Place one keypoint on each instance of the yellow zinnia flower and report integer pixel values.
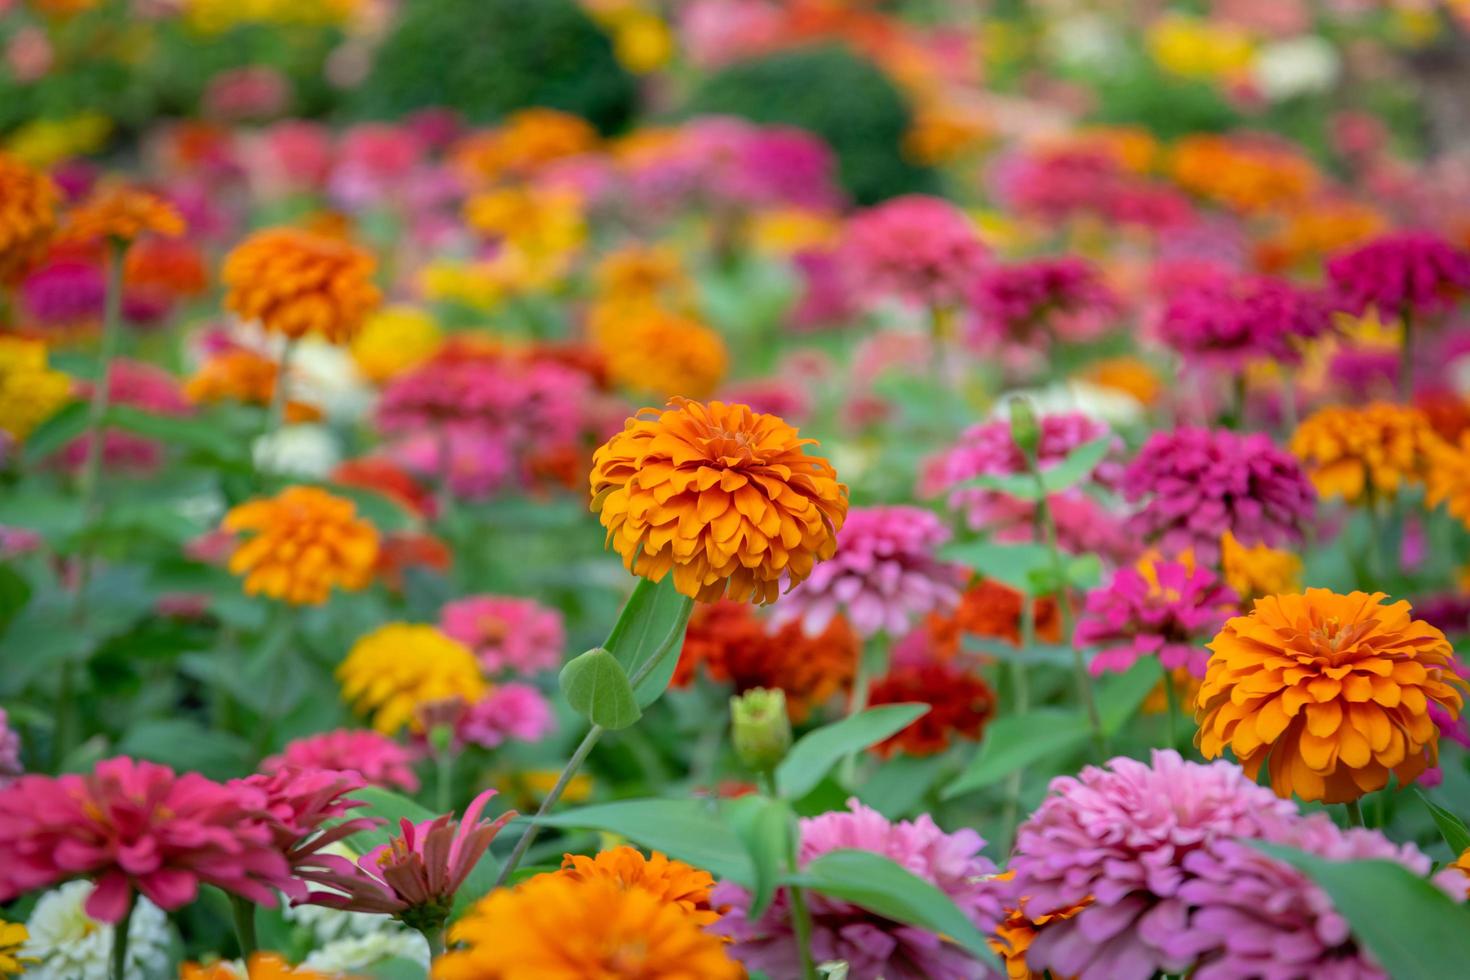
(13, 936)
(725, 497)
(30, 392)
(395, 669)
(1354, 453)
(393, 340)
(1259, 570)
(557, 927)
(541, 228)
(671, 882)
(305, 542)
(1331, 691)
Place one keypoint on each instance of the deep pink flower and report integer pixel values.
(884, 576)
(298, 805)
(1411, 273)
(506, 633)
(290, 157)
(140, 386)
(372, 160)
(920, 249)
(250, 92)
(1227, 323)
(1196, 484)
(1027, 304)
(1161, 608)
(371, 755)
(509, 713)
(137, 827)
(1059, 184)
(415, 875)
(66, 293)
(872, 945)
(828, 298)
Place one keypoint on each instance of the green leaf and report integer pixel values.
(388, 806)
(1415, 930)
(881, 886)
(186, 745)
(655, 616)
(596, 687)
(1451, 827)
(1011, 564)
(15, 592)
(396, 969)
(897, 787)
(1120, 695)
(764, 826)
(1078, 465)
(54, 433)
(687, 830)
(819, 750)
(1016, 741)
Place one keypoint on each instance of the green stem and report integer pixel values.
(801, 923)
(443, 779)
(120, 941)
(275, 415)
(1355, 813)
(1172, 694)
(278, 640)
(1406, 359)
(434, 936)
(1011, 813)
(243, 911)
(857, 702)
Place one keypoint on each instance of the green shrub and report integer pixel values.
(487, 58)
(836, 94)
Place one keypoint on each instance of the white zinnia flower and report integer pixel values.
(364, 952)
(303, 451)
(1299, 66)
(71, 945)
(1117, 409)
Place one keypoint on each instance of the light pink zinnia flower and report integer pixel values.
(135, 826)
(506, 633)
(372, 755)
(1166, 609)
(921, 249)
(871, 945)
(510, 712)
(884, 575)
(415, 875)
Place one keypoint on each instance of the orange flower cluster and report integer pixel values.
(27, 216)
(304, 543)
(262, 966)
(650, 350)
(734, 646)
(671, 882)
(168, 267)
(243, 375)
(297, 283)
(1354, 453)
(724, 497)
(117, 212)
(1331, 691)
(1246, 177)
(1449, 478)
(960, 703)
(525, 142)
(1316, 230)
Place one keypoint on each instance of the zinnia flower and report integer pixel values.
(375, 757)
(726, 498)
(1198, 484)
(871, 945)
(137, 827)
(1449, 478)
(246, 376)
(651, 351)
(120, 213)
(12, 936)
(561, 927)
(508, 712)
(399, 667)
(296, 283)
(1258, 570)
(920, 249)
(884, 575)
(1030, 303)
(1332, 690)
(1157, 608)
(393, 340)
(1225, 324)
(27, 216)
(66, 943)
(672, 882)
(960, 703)
(305, 543)
(30, 392)
(262, 966)
(507, 634)
(1404, 274)
(10, 764)
(1364, 453)
(307, 810)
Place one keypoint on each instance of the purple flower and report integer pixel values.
(1197, 484)
(1409, 273)
(1159, 608)
(1026, 303)
(872, 945)
(884, 575)
(1122, 836)
(1220, 323)
(920, 249)
(506, 633)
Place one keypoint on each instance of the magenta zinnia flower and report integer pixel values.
(507, 634)
(921, 249)
(1166, 609)
(884, 575)
(298, 805)
(375, 757)
(1411, 273)
(414, 876)
(133, 827)
(1225, 324)
(1196, 484)
(871, 945)
(1029, 303)
(508, 713)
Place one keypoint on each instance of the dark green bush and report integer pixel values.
(486, 58)
(836, 94)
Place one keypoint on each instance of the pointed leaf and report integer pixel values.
(654, 618)
(596, 687)
(1016, 741)
(688, 830)
(818, 751)
(1451, 827)
(764, 826)
(1119, 696)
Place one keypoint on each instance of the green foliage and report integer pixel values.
(836, 94)
(487, 58)
(688, 830)
(1170, 107)
(818, 751)
(596, 687)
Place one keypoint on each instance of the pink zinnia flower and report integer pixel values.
(1196, 484)
(920, 249)
(372, 160)
(298, 805)
(507, 634)
(66, 293)
(827, 296)
(250, 92)
(1027, 304)
(137, 827)
(1226, 324)
(416, 874)
(1411, 273)
(375, 757)
(140, 386)
(290, 157)
(784, 398)
(1166, 609)
(10, 764)
(509, 713)
(871, 945)
(884, 576)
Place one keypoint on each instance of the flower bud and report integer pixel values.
(761, 730)
(1025, 430)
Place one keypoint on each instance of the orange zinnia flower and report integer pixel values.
(242, 375)
(1332, 690)
(992, 609)
(121, 213)
(725, 497)
(1014, 936)
(296, 282)
(306, 542)
(1449, 478)
(165, 267)
(262, 966)
(556, 927)
(1258, 570)
(1371, 451)
(671, 882)
(27, 216)
(652, 351)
